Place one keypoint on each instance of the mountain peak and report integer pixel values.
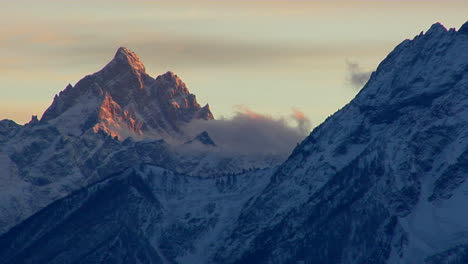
(464, 28)
(170, 77)
(125, 51)
(172, 83)
(436, 28)
(125, 72)
(170, 74)
(123, 100)
(128, 57)
(203, 138)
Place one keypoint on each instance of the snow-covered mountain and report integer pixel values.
(383, 180)
(380, 181)
(108, 121)
(142, 214)
(123, 100)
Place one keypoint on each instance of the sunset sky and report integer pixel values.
(268, 56)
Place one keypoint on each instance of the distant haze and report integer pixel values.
(270, 56)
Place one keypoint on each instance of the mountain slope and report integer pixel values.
(126, 201)
(40, 165)
(143, 214)
(383, 179)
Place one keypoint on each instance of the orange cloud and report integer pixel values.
(244, 110)
(303, 122)
(298, 115)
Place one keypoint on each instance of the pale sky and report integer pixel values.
(268, 56)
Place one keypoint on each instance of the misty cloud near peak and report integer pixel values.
(356, 76)
(249, 132)
(303, 122)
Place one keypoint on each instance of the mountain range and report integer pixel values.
(383, 180)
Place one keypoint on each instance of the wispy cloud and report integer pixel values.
(356, 76)
(249, 132)
(303, 122)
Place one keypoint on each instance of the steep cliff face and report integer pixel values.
(123, 100)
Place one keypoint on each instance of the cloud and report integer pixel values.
(303, 122)
(357, 77)
(249, 132)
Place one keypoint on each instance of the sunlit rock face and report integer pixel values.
(123, 100)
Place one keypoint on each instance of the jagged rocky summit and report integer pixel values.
(123, 100)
